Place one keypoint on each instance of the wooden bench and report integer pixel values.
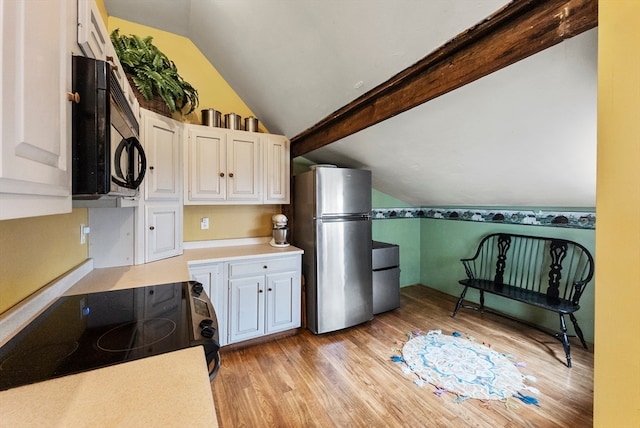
(548, 273)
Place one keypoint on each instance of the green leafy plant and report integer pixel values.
(153, 73)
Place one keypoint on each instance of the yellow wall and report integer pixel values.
(103, 10)
(193, 66)
(617, 317)
(240, 221)
(34, 251)
(228, 222)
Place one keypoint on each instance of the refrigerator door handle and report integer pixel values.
(344, 217)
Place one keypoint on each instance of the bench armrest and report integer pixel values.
(468, 267)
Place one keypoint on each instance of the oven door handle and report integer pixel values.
(216, 366)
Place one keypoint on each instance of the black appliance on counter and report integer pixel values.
(107, 157)
(84, 332)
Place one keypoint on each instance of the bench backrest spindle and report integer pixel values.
(559, 268)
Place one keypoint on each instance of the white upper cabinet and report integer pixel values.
(243, 167)
(35, 156)
(93, 36)
(225, 166)
(95, 42)
(206, 165)
(161, 139)
(276, 169)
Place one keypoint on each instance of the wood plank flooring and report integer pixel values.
(347, 379)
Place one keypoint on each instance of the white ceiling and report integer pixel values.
(524, 136)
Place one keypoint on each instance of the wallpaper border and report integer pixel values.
(555, 218)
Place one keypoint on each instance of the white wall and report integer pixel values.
(522, 136)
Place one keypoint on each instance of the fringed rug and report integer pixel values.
(463, 367)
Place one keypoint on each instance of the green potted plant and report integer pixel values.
(152, 73)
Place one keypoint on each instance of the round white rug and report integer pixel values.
(466, 368)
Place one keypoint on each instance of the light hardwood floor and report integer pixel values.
(347, 379)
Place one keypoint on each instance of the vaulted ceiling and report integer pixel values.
(522, 136)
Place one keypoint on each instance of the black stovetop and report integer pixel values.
(84, 332)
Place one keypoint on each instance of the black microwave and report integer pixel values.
(107, 157)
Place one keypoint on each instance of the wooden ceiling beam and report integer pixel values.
(518, 30)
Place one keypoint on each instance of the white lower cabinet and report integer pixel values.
(264, 297)
(246, 308)
(283, 301)
(210, 275)
(253, 297)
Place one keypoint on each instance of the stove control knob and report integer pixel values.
(197, 288)
(208, 332)
(206, 323)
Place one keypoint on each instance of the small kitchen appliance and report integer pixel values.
(107, 157)
(78, 333)
(280, 231)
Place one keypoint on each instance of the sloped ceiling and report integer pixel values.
(523, 136)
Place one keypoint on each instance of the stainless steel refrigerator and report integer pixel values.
(332, 221)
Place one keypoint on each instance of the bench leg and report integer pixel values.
(459, 304)
(578, 331)
(565, 340)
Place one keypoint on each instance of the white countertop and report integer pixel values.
(171, 389)
(174, 269)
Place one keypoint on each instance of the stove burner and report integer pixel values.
(136, 334)
(49, 354)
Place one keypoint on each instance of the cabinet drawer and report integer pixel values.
(264, 266)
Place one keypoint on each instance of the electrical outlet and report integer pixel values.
(204, 223)
(83, 234)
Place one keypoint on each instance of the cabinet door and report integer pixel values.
(163, 231)
(283, 302)
(95, 42)
(243, 167)
(92, 33)
(161, 140)
(246, 308)
(276, 169)
(210, 276)
(35, 155)
(206, 160)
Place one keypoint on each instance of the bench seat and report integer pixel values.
(548, 273)
(522, 295)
